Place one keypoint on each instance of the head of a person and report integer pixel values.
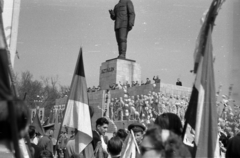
(46, 154)
(22, 115)
(138, 131)
(162, 143)
(102, 125)
(32, 132)
(114, 146)
(122, 134)
(170, 121)
(49, 130)
(233, 147)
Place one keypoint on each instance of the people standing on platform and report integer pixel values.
(178, 83)
(148, 81)
(156, 79)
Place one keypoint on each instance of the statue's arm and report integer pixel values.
(131, 14)
(112, 14)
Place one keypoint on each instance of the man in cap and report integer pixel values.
(138, 130)
(45, 143)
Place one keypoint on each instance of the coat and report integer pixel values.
(123, 14)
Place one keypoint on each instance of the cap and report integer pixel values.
(49, 126)
(136, 127)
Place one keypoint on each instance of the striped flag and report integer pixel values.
(130, 147)
(77, 110)
(201, 114)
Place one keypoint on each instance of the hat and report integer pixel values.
(49, 127)
(136, 127)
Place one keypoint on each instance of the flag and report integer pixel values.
(130, 147)
(36, 123)
(77, 113)
(201, 114)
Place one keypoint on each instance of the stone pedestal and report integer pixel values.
(115, 70)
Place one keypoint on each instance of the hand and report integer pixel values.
(129, 28)
(110, 11)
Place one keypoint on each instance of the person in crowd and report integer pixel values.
(148, 81)
(138, 130)
(122, 134)
(46, 154)
(99, 88)
(156, 79)
(159, 143)
(99, 134)
(94, 89)
(46, 142)
(116, 86)
(172, 122)
(142, 83)
(133, 83)
(62, 142)
(89, 89)
(233, 147)
(136, 83)
(70, 151)
(114, 147)
(178, 83)
(22, 120)
(122, 85)
(32, 135)
(127, 84)
(111, 86)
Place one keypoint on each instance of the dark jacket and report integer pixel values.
(96, 139)
(45, 143)
(124, 14)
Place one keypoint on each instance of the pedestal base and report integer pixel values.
(115, 70)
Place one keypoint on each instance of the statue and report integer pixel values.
(124, 17)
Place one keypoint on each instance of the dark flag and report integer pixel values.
(201, 114)
(37, 124)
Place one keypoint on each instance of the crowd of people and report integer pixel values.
(160, 137)
(147, 107)
(125, 85)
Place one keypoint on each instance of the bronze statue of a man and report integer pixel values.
(124, 17)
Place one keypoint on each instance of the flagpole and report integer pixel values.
(14, 30)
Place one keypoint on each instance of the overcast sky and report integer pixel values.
(162, 41)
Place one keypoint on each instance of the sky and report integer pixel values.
(162, 40)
